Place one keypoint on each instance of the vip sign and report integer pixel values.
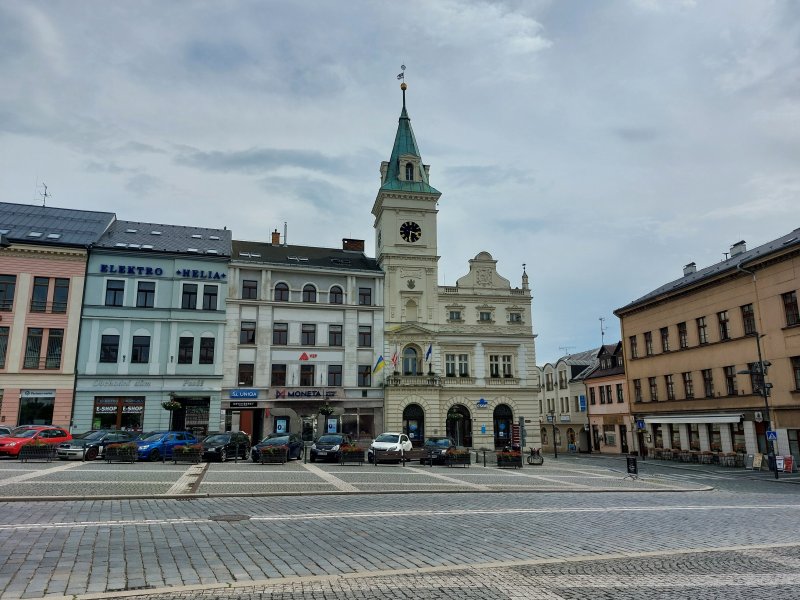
(307, 356)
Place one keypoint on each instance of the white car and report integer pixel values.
(389, 441)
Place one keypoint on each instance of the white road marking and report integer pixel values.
(35, 474)
(185, 482)
(330, 478)
(452, 480)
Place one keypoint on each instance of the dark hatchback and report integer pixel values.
(292, 441)
(92, 444)
(327, 447)
(437, 448)
(222, 445)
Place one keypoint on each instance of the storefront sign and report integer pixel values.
(243, 393)
(244, 404)
(305, 393)
(145, 271)
(565, 418)
(333, 424)
(482, 403)
(37, 394)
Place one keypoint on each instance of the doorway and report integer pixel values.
(623, 438)
(459, 425)
(503, 417)
(414, 424)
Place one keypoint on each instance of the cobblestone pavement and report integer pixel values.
(420, 545)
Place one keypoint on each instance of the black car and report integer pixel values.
(92, 444)
(437, 448)
(222, 445)
(326, 447)
(292, 441)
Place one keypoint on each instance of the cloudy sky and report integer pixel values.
(604, 144)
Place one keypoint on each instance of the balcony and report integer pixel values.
(38, 306)
(414, 381)
(34, 362)
(458, 381)
(503, 381)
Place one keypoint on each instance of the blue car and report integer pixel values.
(155, 444)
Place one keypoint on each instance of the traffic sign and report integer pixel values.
(772, 436)
(640, 424)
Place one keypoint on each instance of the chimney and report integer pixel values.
(352, 245)
(276, 238)
(738, 248)
(689, 269)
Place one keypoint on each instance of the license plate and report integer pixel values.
(322, 452)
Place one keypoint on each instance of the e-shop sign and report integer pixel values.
(244, 393)
(158, 272)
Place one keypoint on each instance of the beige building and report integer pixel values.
(687, 342)
(612, 428)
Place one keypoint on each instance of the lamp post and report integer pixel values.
(553, 421)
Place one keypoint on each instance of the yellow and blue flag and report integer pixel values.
(379, 365)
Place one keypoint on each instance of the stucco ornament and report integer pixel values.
(483, 277)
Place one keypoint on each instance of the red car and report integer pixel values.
(11, 444)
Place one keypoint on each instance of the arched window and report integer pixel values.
(411, 364)
(409, 172)
(411, 311)
(503, 417)
(281, 292)
(459, 425)
(309, 293)
(414, 423)
(336, 296)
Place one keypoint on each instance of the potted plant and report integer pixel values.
(351, 452)
(121, 452)
(457, 457)
(326, 410)
(187, 453)
(274, 454)
(509, 458)
(37, 450)
(171, 405)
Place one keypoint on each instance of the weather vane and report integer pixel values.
(402, 75)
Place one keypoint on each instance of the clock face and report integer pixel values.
(410, 231)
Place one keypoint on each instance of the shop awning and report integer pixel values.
(701, 418)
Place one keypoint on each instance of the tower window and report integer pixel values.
(409, 172)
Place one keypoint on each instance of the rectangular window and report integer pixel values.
(665, 339)
(41, 287)
(335, 335)
(364, 336)
(688, 385)
(548, 378)
(278, 375)
(450, 365)
(146, 294)
(334, 375)
(3, 347)
(306, 375)
(724, 325)
(109, 348)
(8, 284)
(670, 383)
(246, 372)
(55, 342)
(562, 380)
(485, 316)
(634, 347)
(683, 338)
(756, 378)
(648, 343)
(247, 332)
(364, 376)
(508, 372)
(790, 308)
(592, 396)
(708, 383)
(795, 367)
(620, 396)
(609, 397)
(189, 296)
(207, 350)
(702, 330)
(249, 289)
(60, 295)
(637, 390)
(463, 365)
(210, 293)
(494, 368)
(515, 318)
(33, 348)
(115, 291)
(455, 315)
(364, 296)
(730, 381)
(653, 389)
(308, 334)
(748, 319)
(140, 350)
(280, 334)
(185, 350)
(602, 394)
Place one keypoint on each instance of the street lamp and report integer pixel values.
(552, 415)
(760, 369)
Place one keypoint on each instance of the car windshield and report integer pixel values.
(276, 441)
(389, 438)
(25, 433)
(90, 435)
(217, 439)
(330, 439)
(438, 442)
(152, 437)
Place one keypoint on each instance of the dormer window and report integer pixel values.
(409, 172)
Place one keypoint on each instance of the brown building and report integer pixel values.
(687, 342)
(612, 428)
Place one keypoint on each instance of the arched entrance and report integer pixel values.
(503, 417)
(571, 443)
(459, 425)
(414, 424)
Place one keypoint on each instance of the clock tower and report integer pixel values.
(405, 232)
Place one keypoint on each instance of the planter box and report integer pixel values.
(273, 459)
(458, 460)
(507, 462)
(31, 452)
(127, 455)
(352, 457)
(188, 456)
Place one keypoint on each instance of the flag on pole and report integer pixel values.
(429, 353)
(379, 365)
(394, 359)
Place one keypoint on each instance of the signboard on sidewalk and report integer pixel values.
(788, 463)
(757, 459)
(632, 465)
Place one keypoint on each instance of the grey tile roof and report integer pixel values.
(32, 224)
(158, 237)
(308, 256)
(790, 240)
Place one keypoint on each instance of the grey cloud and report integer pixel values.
(258, 160)
(216, 56)
(106, 167)
(636, 135)
(140, 147)
(487, 175)
(143, 184)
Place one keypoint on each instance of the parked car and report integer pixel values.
(292, 441)
(11, 444)
(437, 448)
(4, 431)
(389, 441)
(155, 444)
(222, 445)
(326, 447)
(92, 444)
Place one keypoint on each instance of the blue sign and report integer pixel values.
(244, 393)
(582, 402)
(482, 403)
(640, 424)
(483, 428)
(772, 436)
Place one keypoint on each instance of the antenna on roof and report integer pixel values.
(402, 77)
(566, 349)
(44, 194)
(602, 330)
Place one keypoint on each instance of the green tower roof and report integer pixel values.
(406, 144)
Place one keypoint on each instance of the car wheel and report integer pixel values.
(91, 454)
(313, 458)
(155, 455)
(223, 455)
(62, 458)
